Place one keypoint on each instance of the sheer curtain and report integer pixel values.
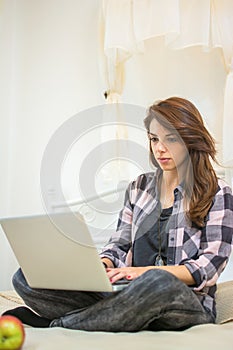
(207, 23)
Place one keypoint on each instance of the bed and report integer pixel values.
(218, 336)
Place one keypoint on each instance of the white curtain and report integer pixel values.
(182, 23)
(223, 37)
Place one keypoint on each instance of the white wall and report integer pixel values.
(54, 77)
(50, 71)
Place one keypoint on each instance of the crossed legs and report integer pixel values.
(156, 300)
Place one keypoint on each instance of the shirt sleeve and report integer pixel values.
(216, 241)
(120, 242)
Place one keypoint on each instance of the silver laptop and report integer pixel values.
(56, 254)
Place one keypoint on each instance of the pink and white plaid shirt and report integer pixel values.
(204, 251)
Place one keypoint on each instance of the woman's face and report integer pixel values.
(167, 146)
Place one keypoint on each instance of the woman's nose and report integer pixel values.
(161, 146)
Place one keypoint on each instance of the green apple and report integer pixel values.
(12, 333)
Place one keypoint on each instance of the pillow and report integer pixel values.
(224, 302)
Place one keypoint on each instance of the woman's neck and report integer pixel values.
(170, 179)
(169, 182)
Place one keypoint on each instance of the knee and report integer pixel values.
(158, 274)
(161, 279)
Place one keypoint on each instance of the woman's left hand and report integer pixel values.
(130, 273)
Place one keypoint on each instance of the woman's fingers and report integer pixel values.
(129, 273)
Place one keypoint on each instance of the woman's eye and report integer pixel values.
(154, 139)
(172, 139)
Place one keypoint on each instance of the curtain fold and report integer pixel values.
(194, 25)
(222, 28)
(228, 120)
(222, 36)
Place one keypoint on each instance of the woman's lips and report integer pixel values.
(163, 160)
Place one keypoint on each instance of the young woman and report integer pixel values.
(173, 240)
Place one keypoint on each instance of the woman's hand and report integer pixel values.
(130, 273)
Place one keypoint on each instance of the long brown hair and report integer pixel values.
(200, 181)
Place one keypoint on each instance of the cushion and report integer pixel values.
(224, 302)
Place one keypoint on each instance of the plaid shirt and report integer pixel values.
(204, 251)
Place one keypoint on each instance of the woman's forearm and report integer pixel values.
(181, 272)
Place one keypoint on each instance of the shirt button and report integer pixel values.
(172, 239)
